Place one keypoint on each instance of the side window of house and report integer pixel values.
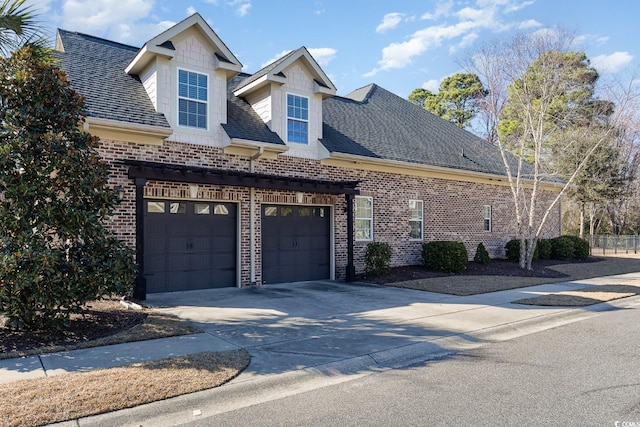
(487, 217)
(364, 218)
(416, 219)
(297, 118)
(193, 98)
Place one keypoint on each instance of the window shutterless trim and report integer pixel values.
(196, 101)
(358, 219)
(486, 212)
(297, 124)
(419, 219)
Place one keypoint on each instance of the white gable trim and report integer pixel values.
(322, 83)
(153, 47)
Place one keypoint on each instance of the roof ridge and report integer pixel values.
(102, 39)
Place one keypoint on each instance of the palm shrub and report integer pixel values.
(55, 251)
(482, 255)
(446, 256)
(377, 258)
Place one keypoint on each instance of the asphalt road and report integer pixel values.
(583, 374)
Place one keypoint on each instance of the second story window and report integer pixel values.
(297, 118)
(192, 99)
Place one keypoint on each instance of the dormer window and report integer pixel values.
(192, 99)
(297, 118)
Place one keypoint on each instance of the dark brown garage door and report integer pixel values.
(189, 245)
(295, 243)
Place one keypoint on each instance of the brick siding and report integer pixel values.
(452, 210)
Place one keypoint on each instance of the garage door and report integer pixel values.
(295, 243)
(189, 245)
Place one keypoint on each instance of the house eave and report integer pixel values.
(126, 131)
(258, 84)
(146, 54)
(396, 166)
(245, 147)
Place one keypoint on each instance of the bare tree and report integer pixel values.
(504, 68)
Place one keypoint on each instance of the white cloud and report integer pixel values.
(399, 55)
(433, 85)
(466, 42)
(323, 55)
(530, 23)
(115, 19)
(443, 8)
(611, 63)
(243, 9)
(275, 58)
(517, 6)
(389, 22)
(191, 10)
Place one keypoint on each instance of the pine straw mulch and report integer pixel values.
(66, 397)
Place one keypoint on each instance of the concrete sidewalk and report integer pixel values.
(297, 326)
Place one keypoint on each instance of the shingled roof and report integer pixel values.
(373, 122)
(95, 68)
(370, 122)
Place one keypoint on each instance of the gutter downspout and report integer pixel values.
(252, 220)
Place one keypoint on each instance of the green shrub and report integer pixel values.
(580, 247)
(482, 256)
(562, 248)
(446, 256)
(377, 258)
(512, 250)
(544, 249)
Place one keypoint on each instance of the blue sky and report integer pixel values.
(400, 45)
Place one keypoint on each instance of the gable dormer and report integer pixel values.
(287, 95)
(184, 71)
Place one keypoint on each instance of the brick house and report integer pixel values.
(233, 179)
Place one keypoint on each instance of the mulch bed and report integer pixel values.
(494, 268)
(99, 319)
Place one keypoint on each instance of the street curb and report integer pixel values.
(244, 392)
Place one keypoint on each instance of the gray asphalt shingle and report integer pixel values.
(95, 68)
(370, 122)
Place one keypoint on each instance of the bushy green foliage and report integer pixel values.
(512, 250)
(543, 247)
(377, 258)
(562, 248)
(580, 247)
(447, 256)
(482, 255)
(55, 253)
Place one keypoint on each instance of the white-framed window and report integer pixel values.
(486, 211)
(416, 219)
(297, 118)
(193, 99)
(364, 218)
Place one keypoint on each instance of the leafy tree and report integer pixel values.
(538, 89)
(55, 252)
(456, 100)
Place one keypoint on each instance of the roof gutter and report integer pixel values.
(127, 131)
(369, 163)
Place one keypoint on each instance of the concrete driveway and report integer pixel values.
(293, 326)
